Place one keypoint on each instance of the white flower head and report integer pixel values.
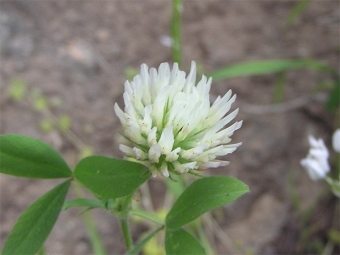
(171, 126)
(316, 162)
(336, 140)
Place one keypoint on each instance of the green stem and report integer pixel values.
(176, 30)
(141, 244)
(97, 245)
(126, 233)
(148, 216)
(204, 239)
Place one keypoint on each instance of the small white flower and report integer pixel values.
(336, 140)
(171, 126)
(316, 162)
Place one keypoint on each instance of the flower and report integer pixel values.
(316, 162)
(170, 124)
(336, 140)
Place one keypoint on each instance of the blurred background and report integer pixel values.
(63, 65)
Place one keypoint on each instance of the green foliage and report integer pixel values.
(109, 177)
(333, 101)
(37, 221)
(297, 11)
(334, 236)
(17, 89)
(135, 250)
(202, 196)
(27, 157)
(334, 185)
(96, 243)
(148, 216)
(267, 67)
(181, 242)
(84, 202)
(279, 87)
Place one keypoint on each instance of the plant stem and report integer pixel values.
(176, 30)
(147, 215)
(141, 244)
(126, 233)
(97, 245)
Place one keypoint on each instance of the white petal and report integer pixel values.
(312, 141)
(140, 155)
(120, 114)
(158, 106)
(189, 154)
(172, 156)
(190, 82)
(316, 162)
(146, 123)
(164, 170)
(167, 140)
(213, 164)
(128, 151)
(152, 136)
(203, 86)
(155, 153)
(184, 168)
(146, 99)
(336, 140)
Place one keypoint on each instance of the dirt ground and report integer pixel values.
(77, 54)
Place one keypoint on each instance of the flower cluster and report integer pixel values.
(170, 124)
(316, 162)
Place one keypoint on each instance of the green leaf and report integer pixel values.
(279, 88)
(109, 177)
(333, 100)
(36, 222)
(297, 11)
(83, 202)
(181, 242)
(266, 67)
(202, 196)
(27, 157)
